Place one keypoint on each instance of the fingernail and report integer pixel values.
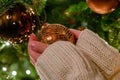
(33, 44)
(33, 47)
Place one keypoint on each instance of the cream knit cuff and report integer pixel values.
(103, 55)
(61, 61)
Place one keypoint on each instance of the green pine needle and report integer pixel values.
(4, 4)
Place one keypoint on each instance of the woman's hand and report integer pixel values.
(35, 48)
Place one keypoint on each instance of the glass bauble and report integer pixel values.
(50, 33)
(102, 6)
(17, 22)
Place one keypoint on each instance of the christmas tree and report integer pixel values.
(77, 14)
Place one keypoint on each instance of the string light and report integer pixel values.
(14, 73)
(28, 72)
(4, 69)
(67, 13)
(7, 43)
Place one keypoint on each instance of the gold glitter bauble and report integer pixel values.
(50, 33)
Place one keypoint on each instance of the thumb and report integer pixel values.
(38, 46)
(75, 32)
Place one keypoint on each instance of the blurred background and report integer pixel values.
(77, 14)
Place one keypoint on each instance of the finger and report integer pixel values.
(35, 49)
(75, 32)
(32, 37)
(33, 54)
(36, 45)
(39, 47)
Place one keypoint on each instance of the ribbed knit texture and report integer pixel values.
(61, 61)
(90, 59)
(103, 55)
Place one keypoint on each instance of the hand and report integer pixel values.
(35, 48)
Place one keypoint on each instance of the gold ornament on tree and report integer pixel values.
(102, 6)
(17, 23)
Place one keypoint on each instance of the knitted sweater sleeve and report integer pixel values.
(61, 61)
(106, 58)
